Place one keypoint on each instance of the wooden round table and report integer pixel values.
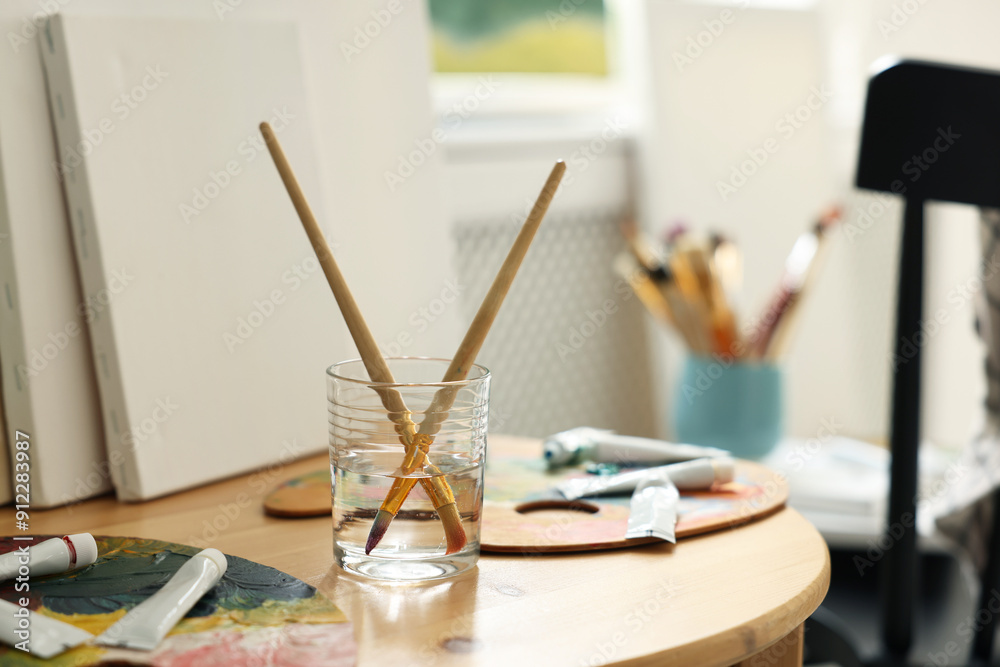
(717, 599)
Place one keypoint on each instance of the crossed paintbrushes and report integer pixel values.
(416, 441)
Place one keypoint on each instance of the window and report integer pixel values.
(525, 36)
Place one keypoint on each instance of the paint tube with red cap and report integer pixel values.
(60, 554)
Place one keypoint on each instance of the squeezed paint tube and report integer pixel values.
(59, 554)
(653, 510)
(689, 475)
(148, 623)
(40, 635)
(602, 446)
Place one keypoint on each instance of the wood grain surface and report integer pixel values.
(713, 600)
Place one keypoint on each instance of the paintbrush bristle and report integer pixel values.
(450, 519)
(379, 526)
(453, 530)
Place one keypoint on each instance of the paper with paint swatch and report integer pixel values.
(254, 615)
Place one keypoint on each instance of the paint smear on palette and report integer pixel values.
(256, 615)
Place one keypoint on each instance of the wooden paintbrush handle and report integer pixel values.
(474, 338)
(378, 369)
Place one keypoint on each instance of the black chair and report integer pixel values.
(931, 132)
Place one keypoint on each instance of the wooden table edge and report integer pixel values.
(749, 645)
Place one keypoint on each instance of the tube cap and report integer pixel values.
(725, 470)
(216, 557)
(86, 548)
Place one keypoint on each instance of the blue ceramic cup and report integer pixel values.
(735, 405)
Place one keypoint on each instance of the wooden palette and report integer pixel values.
(302, 496)
(255, 615)
(522, 512)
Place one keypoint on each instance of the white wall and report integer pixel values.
(370, 109)
(959, 32)
(702, 115)
(569, 346)
(710, 108)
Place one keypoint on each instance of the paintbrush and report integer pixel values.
(378, 370)
(645, 287)
(640, 247)
(462, 362)
(688, 303)
(654, 282)
(728, 264)
(800, 270)
(720, 318)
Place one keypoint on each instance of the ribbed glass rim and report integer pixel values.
(332, 371)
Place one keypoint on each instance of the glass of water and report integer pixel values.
(407, 462)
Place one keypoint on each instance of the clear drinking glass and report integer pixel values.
(434, 533)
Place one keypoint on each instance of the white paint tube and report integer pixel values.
(689, 475)
(653, 510)
(59, 554)
(39, 635)
(148, 623)
(601, 446)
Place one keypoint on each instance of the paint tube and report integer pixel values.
(689, 475)
(39, 635)
(602, 446)
(653, 510)
(149, 622)
(49, 557)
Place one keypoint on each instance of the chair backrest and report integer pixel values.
(930, 132)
